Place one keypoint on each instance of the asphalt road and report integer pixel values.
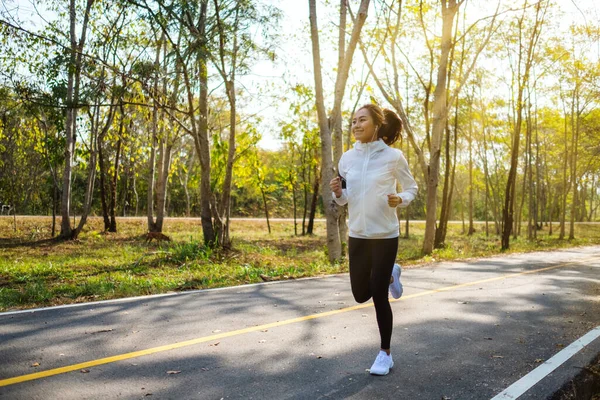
(462, 330)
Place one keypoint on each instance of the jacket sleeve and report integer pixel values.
(343, 199)
(403, 175)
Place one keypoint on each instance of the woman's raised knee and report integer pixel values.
(361, 297)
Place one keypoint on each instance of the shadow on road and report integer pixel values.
(468, 343)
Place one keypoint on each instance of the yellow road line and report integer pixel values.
(159, 349)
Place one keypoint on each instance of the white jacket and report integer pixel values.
(371, 171)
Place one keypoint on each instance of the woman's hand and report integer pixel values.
(394, 200)
(336, 186)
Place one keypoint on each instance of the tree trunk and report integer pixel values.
(440, 115)
(73, 83)
(264, 198)
(103, 191)
(74, 68)
(113, 183)
(566, 182)
(575, 126)
(334, 246)
(89, 191)
(313, 205)
(509, 200)
(531, 193)
(471, 227)
(154, 130)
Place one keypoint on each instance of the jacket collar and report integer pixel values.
(371, 146)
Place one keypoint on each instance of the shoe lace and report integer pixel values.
(380, 358)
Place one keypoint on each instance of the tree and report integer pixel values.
(334, 247)
(528, 41)
(442, 102)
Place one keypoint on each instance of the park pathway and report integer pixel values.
(462, 330)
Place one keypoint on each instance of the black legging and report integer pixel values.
(371, 264)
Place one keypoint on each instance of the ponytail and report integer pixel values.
(392, 127)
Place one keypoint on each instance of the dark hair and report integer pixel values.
(389, 123)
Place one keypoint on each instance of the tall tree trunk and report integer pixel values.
(566, 182)
(509, 200)
(202, 144)
(519, 213)
(334, 246)
(313, 204)
(338, 140)
(154, 141)
(440, 116)
(89, 190)
(531, 193)
(114, 181)
(166, 150)
(73, 81)
(575, 116)
(470, 140)
(185, 179)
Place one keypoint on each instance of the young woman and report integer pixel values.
(367, 183)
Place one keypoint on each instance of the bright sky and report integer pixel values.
(269, 80)
(297, 56)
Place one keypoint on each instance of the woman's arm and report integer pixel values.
(338, 190)
(409, 186)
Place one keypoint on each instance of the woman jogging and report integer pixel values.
(367, 183)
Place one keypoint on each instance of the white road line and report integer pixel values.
(525, 383)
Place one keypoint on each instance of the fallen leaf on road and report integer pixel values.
(85, 371)
(173, 372)
(36, 364)
(319, 356)
(265, 330)
(463, 302)
(148, 394)
(101, 331)
(215, 344)
(538, 360)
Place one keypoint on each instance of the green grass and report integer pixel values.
(101, 266)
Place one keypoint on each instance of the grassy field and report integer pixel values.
(37, 272)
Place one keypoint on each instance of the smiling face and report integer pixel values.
(363, 126)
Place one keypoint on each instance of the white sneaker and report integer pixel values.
(382, 365)
(396, 288)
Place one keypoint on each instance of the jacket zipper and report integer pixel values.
(363, 184)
